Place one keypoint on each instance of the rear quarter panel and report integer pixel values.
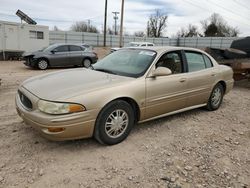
(226, 75)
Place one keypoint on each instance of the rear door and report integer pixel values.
(200, 77)
(75, 55)
(59, 56)
(167, 93)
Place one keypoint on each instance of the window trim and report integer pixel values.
(80, 47)
(180, 53)
(61, 46)
(36, 36)
(212, 65)
(197, 52)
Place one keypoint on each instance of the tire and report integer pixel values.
(216, 97)
(42, 64)
(114, 123)
(86, 63)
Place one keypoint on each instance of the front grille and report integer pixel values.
(25, 100)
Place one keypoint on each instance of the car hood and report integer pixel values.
(62, 85)
(26, 54)
(115, 49)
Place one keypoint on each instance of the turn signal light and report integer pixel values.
(56, 129)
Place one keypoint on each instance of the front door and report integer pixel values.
(166, 93)
(59, 56)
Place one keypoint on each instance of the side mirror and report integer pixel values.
(161, 71)
(54, 51)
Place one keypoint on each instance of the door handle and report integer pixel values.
(213, 74)
(183, 79)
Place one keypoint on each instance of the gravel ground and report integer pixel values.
(192, 149)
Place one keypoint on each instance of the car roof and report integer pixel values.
(141, 43)
(160, 49)
(75, 44)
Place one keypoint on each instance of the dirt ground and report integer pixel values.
(193, 149)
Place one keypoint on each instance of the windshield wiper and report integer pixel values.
(105, 70)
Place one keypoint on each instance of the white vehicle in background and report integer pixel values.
(134, 44)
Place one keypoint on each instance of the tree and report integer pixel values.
(216, 26)
(55, 28)
(156, 24)
(110, 31)
(191, 31)
(84, 27)
(139, 34)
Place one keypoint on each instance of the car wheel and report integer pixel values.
(114, 123)
(42, 64)
(216, 97)
(87, 63)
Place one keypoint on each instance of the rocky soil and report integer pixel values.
(193, 149)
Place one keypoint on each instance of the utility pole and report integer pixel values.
(121, 25)
(116, 18)
(88, 26)
(105, 23)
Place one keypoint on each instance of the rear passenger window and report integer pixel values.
(195, 61)
(75, 48)
(150, 45)
(207, 61)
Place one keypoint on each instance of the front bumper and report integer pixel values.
(30, 62)
(75, 126)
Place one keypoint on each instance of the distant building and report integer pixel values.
(16, 38)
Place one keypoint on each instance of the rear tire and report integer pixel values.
(114, 123)
(216, 97)
(86, 63)
(42, 64)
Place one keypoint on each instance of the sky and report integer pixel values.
(63, 13)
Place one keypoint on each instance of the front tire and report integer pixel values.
(114, 123)
(216, 97)
(42, 64)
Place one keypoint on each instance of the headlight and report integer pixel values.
(59, 108)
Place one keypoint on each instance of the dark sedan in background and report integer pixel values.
(61, 55)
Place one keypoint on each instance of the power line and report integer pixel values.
(242, 5)
(239, 5)
(228, 10)
(212, 12)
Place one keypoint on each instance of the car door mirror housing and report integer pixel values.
(54, 51)
(161, 71)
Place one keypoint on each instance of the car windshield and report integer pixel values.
(49, 47)
(127, 62)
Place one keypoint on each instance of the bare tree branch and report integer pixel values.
(156, 24)
(84, 27)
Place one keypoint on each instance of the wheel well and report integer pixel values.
(224, 85)
(134, 105)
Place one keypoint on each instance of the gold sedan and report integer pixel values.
(126, 87)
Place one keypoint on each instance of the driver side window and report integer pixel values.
(63, 48)
(171, 60)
